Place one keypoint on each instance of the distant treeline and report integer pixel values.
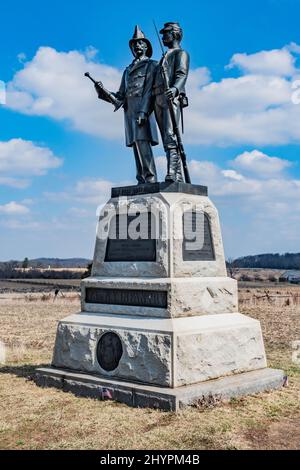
(46, 262)
(10, 272)
(269, 260)
(44, 268)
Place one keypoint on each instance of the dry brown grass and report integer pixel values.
(35, 418)
(278, 312)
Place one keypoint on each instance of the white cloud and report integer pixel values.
(28, 202)
(15, 224)
(2, 92)
(80, 212)
(13, 208)
(21, 157)
(258, 191)
(88, 191)
(14, 182)
(91, 52)
(93, 191)
(222, 182)
(261, 164)
(53, 84)
(255, 108)
(199, 77)
(252, 110)
(293, 47)
(275, 62)
(257, 215)
(21, 57)
(232, 174)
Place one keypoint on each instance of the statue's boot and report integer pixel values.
(145, 162)
(174, 166)
(179, 176)
(173, 160)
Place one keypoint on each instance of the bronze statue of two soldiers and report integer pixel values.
(150, 91)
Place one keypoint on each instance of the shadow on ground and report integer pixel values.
(26, 370)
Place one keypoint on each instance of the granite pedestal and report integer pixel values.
(159, 324)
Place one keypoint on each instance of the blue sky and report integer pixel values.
(61, 149)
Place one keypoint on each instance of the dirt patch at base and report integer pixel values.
(281, 435)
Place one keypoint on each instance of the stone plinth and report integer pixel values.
(179, 297)
(166, 399)
(165, 352)
(169, 209)
(159, 317)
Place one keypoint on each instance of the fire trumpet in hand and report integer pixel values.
(104, 94)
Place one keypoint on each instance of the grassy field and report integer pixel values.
(35, 418)
(37, 285)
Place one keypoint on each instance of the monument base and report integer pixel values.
(164, 352)
(166, 399)
(159, 324)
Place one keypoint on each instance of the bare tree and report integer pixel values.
(232, 269)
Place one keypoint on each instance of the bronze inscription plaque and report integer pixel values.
(120, 247)
(131, 297)
(109, 351)
(198, 224)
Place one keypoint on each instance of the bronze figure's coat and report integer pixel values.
(176, 63)
(170, 99)
(136, 93)
(135, 96)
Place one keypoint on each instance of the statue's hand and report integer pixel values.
(141, 119)
(98, 86)
(171, 93)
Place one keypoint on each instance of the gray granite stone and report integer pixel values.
(182, 333)
(166, 399)
(167, 352)
(170, 208)
(146, 355)
(186, 296)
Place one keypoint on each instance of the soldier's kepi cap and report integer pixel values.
(137, 35)
(171, 26)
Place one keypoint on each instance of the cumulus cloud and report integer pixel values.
(261, 164)
(222, 182)
(21, 225)
(257, 213)
(14, 182)
(53, 84)
(13, 208)
(80, 212)
(22, 158)
(275, 62)
(2, 93)
(259, 191)
(93, 191)
(254, 108)
(232, 174)
(21, 57)
(88, 191)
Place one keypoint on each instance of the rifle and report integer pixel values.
(107, 95)
(176, 130)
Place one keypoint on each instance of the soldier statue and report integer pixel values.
(175, 66)
(135, 95)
